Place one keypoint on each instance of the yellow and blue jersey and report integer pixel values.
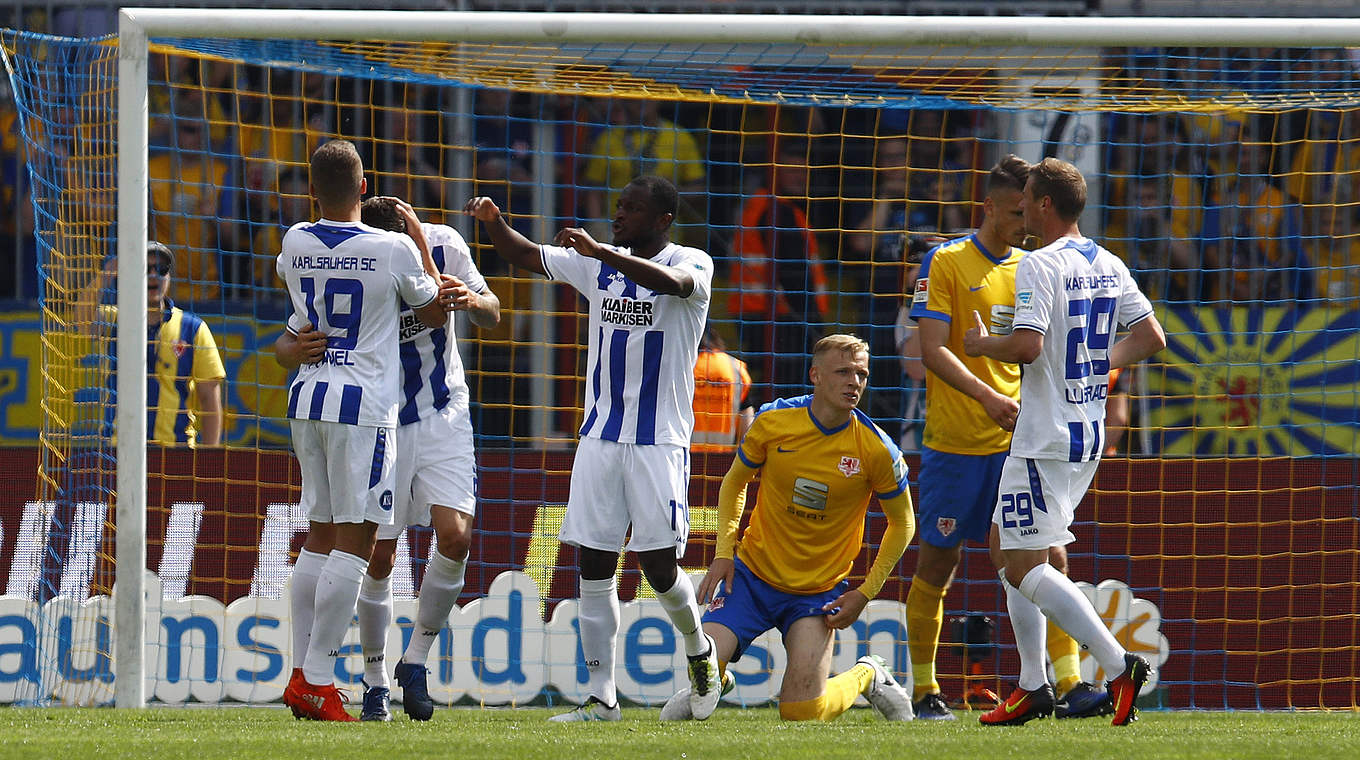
(958, 278)
(180, 354)
(815, 483)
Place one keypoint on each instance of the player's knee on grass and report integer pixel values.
(808, 709)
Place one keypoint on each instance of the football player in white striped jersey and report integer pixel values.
(648, 299)
(349, 281)
(435, 485)
(1070, 297)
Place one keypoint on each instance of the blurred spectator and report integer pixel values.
(1245, 229)
(1325, 179)
(722, 386)
(290, 205)
(779, 286)
(1117, 412)
(936, 178)
(277, 133)
(190, 209)
(184, 384)
(637, 142)
(912, 378)
(18, 252)
(410, 154)
(1253, 243)
(504, 140)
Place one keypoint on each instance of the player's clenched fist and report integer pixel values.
(483, 209)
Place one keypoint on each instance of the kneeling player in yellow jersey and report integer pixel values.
(820, 460)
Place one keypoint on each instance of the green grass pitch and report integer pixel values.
(241, 733)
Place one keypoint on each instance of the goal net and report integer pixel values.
(817, 159)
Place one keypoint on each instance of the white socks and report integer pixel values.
(375, 618)
(598, 617)
(439, 591)
(683, 610)
(1031, 630)
(336, 594)
(1064, 604)
(302, 601)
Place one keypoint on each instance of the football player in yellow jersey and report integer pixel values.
(971, 406)
(820, 460)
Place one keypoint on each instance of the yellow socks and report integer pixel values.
(925, 616)
(840, 694)
(1065, 654)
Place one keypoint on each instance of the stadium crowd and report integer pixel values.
(810, 213)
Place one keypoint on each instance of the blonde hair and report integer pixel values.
(851, 344)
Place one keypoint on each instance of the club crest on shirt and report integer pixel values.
(849, 466)
(945, 525)
(180, 347)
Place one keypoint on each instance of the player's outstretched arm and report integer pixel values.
(1146, 338)
(658, 278)
(731, 504)
(509, 244)
(1020, 347)
(307, 347)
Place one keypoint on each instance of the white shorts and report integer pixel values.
(347, 471)
(1036, 501)
(617, 485)
(436, 466)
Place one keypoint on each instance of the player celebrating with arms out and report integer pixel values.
(820, 460)
(349, 281)
(1069, 295)
(648, 300)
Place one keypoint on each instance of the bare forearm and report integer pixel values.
(486, 310)
(514, 247)
(946, 366)
(210, 413)
(1145, 339)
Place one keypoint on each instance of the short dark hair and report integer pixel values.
(660, 191)
(1010, 172)
(1061, 181)
(337, 173)
(156, 249)
(381, 212)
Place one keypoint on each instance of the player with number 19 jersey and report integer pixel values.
(1079, 288)
(349, 281)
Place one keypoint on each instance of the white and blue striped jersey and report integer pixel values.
(1075, 293)
(642, 346)
(431, 367)
(349, 280)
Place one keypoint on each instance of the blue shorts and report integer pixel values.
(752, 607)
(958, 496)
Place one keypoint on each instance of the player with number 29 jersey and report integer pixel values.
(1076, 284)
(349, 281)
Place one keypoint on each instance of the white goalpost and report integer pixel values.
(857, 37)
